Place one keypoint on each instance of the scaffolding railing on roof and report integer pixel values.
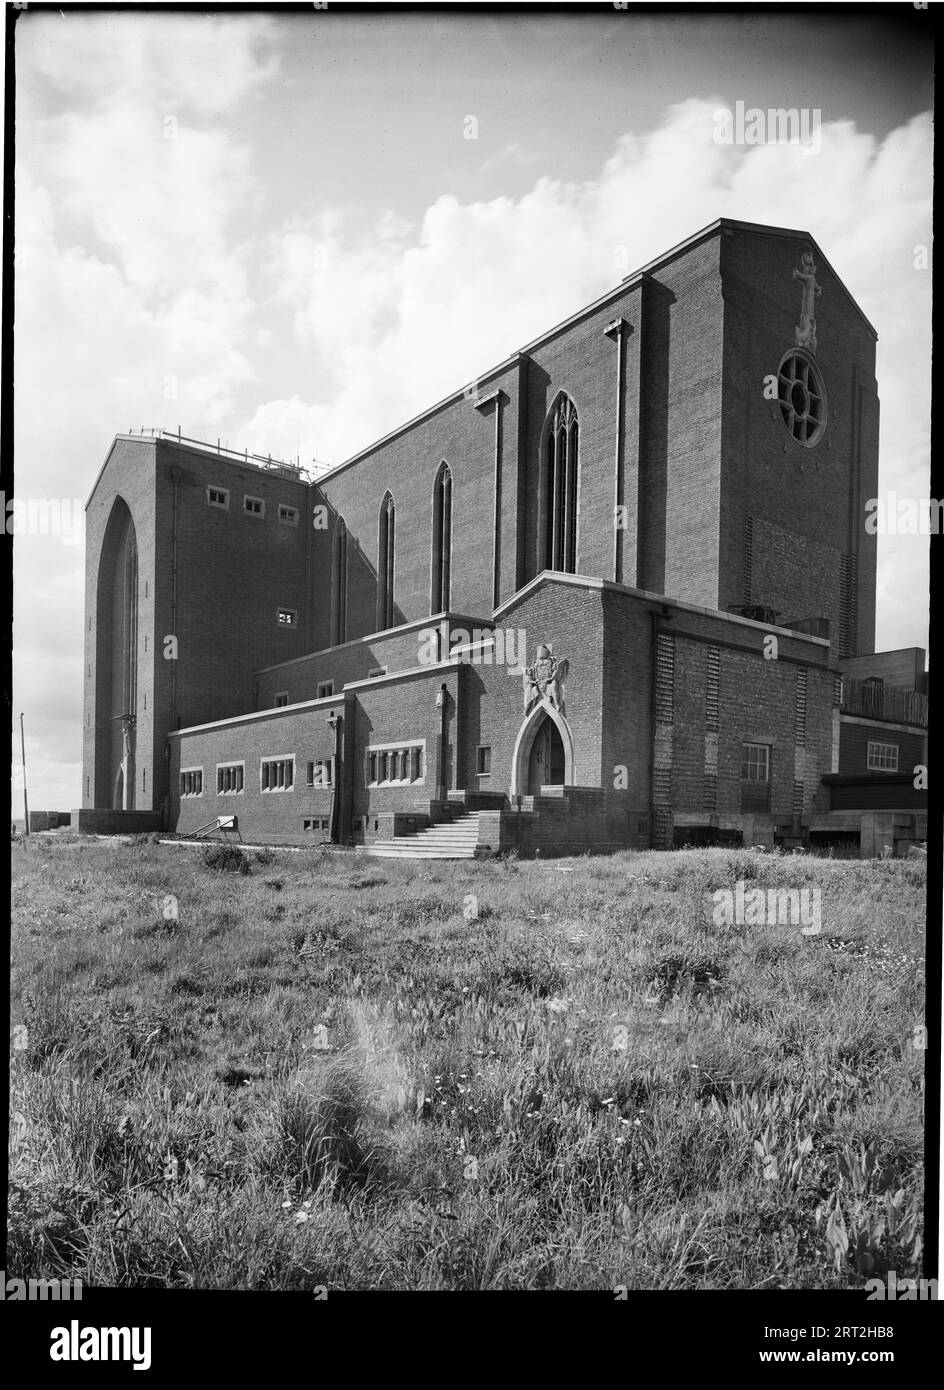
(265, 461)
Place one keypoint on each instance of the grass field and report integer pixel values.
(362, 1074)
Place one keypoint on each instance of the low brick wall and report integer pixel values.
(100, 822)
(567, 820)
(49, 820)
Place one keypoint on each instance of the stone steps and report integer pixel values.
(456, 839)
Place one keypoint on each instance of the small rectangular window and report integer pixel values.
(191, 781)
(755, 762)
(281, 699)
(483, 761)
(375, 672)
(253, 506)
(288, 515)
(230, 779)
(288, 617)
(218, 497)
(325, 688)
(277, 774)
(883, 757)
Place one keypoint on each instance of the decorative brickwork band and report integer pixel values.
(712, 687)
(665, 678)
(663, 746)
(848, 587)
(748, 556)
(662, 828)
(712, 715)
(801, 698)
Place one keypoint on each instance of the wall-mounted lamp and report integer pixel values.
(440, 697)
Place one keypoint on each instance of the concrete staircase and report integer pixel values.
(454, 839)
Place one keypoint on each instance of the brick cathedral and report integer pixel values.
(619, 593)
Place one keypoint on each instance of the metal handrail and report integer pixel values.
(256, 460)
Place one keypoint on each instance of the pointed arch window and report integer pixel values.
(385, 562)
(561, 468)
(339, 584)
(441, 585)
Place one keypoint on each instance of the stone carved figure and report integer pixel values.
(545, 680)
(806, 329)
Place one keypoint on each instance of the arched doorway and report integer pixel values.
(546, 760)
(544, 752)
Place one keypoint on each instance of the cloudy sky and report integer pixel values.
(275, 229)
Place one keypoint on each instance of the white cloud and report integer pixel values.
(133, 305)
(199, 62)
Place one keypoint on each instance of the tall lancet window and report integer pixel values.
(386, 545)
(339, 584)
(441, 585)
(560, 487)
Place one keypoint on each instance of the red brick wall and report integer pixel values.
(383, 713)
(406, 466)
(275, 817)
(569, 618)
(811, 500)
(684, 342)
(397, 650)
(854, 740)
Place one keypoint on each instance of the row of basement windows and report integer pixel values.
(388, 766)
(252, 506)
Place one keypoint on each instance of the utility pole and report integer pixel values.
(25, 799)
